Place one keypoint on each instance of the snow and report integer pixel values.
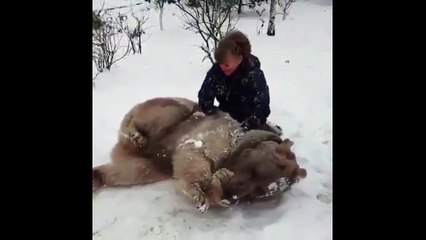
(170, 65)
(196, 143)
(274, 187)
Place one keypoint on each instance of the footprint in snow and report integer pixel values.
(324, 197)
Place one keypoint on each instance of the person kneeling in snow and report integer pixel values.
(238, 83)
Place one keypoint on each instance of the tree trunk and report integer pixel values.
(240, 4)
(271, 24)
(161, 18)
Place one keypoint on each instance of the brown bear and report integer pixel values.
(165, 138)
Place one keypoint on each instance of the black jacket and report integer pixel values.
(244, 94)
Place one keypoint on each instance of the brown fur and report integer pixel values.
(153, 117)
(257, 167)
(167, 128)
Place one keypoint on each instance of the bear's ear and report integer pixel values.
(288, 142)
(302, 173)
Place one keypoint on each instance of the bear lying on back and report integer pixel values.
(211, 157)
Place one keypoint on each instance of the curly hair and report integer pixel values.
(235, 43)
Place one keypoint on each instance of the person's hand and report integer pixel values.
(251, 123)
(211, 111)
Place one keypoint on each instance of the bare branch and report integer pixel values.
(120, 7)
(107, 41)
(285, 7)
(211, 19)
(93, 79)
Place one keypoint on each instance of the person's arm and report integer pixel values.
(258, 86)
(206, 95)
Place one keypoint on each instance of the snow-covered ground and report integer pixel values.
(301, 103)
